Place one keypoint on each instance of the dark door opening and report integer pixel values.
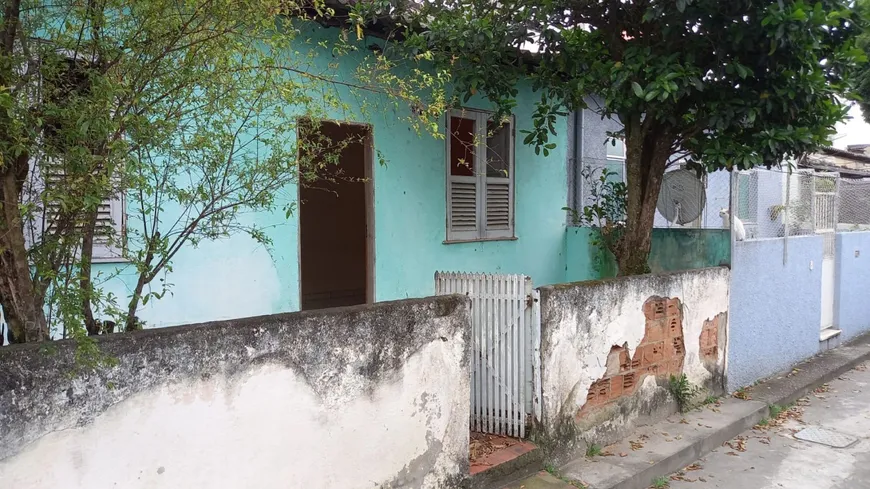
(335, 217)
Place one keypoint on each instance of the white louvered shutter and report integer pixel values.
(463, 188)
(480, 177)
(499, 177)
(108, 232)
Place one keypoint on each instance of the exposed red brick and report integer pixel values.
(708, 342)
(661, 352)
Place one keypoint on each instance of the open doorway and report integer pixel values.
(335, 216)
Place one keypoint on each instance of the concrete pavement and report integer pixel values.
(770, 457)
(659, 449)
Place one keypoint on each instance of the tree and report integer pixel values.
(862, 79)
(189, 108)
(723, 85)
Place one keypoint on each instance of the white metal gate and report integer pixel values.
(825, 224)
(505, 323)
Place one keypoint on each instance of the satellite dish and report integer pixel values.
(682, 198)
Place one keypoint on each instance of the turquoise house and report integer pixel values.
(432, 205)
(477, 201)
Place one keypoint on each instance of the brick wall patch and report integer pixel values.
(660, 353)
(709, 340)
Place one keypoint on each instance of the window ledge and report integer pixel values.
(477, 240)
(829, 333)
(109, 259)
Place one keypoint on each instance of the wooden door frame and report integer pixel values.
(368, 171)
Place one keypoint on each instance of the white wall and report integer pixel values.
(582, 322)
(334, 413)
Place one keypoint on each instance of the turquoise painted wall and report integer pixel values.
(672, 250)
(237, 277)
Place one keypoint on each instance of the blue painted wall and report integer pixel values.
(852, 295)
(775, 309)
(238, 277)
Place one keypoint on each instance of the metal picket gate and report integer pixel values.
(506, 343)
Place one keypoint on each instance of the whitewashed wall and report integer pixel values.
(582, 322)
(352, 398)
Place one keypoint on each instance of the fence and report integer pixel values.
(505, 335)
(780, 203)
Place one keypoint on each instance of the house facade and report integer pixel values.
(418, 208)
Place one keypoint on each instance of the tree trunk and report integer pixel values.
(133, 321)
(647, 154)
(85, 284)
(18, 296)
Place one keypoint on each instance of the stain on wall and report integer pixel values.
(660, 353)
(267, 402)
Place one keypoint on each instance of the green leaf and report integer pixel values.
(638, 90)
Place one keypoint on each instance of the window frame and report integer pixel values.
(480, 179)
(106, 249)
(610, 159)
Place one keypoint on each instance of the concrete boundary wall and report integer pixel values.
(609, 347)
(775, 306)
(361, 397)
(852, 298)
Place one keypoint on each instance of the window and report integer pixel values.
(69, 79)
(110, 224)
(616, 157)
(480, 177)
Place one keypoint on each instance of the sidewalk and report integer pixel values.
(668, 446)
(777, 454)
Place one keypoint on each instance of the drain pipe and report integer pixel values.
(577, 162)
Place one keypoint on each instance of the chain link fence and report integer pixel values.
(781, 203)
(854, 205)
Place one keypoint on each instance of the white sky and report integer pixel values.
(853, 130)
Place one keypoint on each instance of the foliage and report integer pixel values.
(718, 84)
(593, 450)
(862, 82)
(683, 391)
(190, 110)
(776, 410)
(660, 482)
(605, 213)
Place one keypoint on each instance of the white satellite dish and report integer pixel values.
(682, 198)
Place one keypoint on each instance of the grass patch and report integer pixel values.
(764, 422)
(552, 470)
(710, 400)
(776, 410)
(660, 482)
(683, 391)
(593, 450)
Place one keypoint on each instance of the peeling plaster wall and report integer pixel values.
(348, 398)
(582, 322)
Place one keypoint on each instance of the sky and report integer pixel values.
(852, 131)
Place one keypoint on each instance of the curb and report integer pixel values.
(781, 389)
